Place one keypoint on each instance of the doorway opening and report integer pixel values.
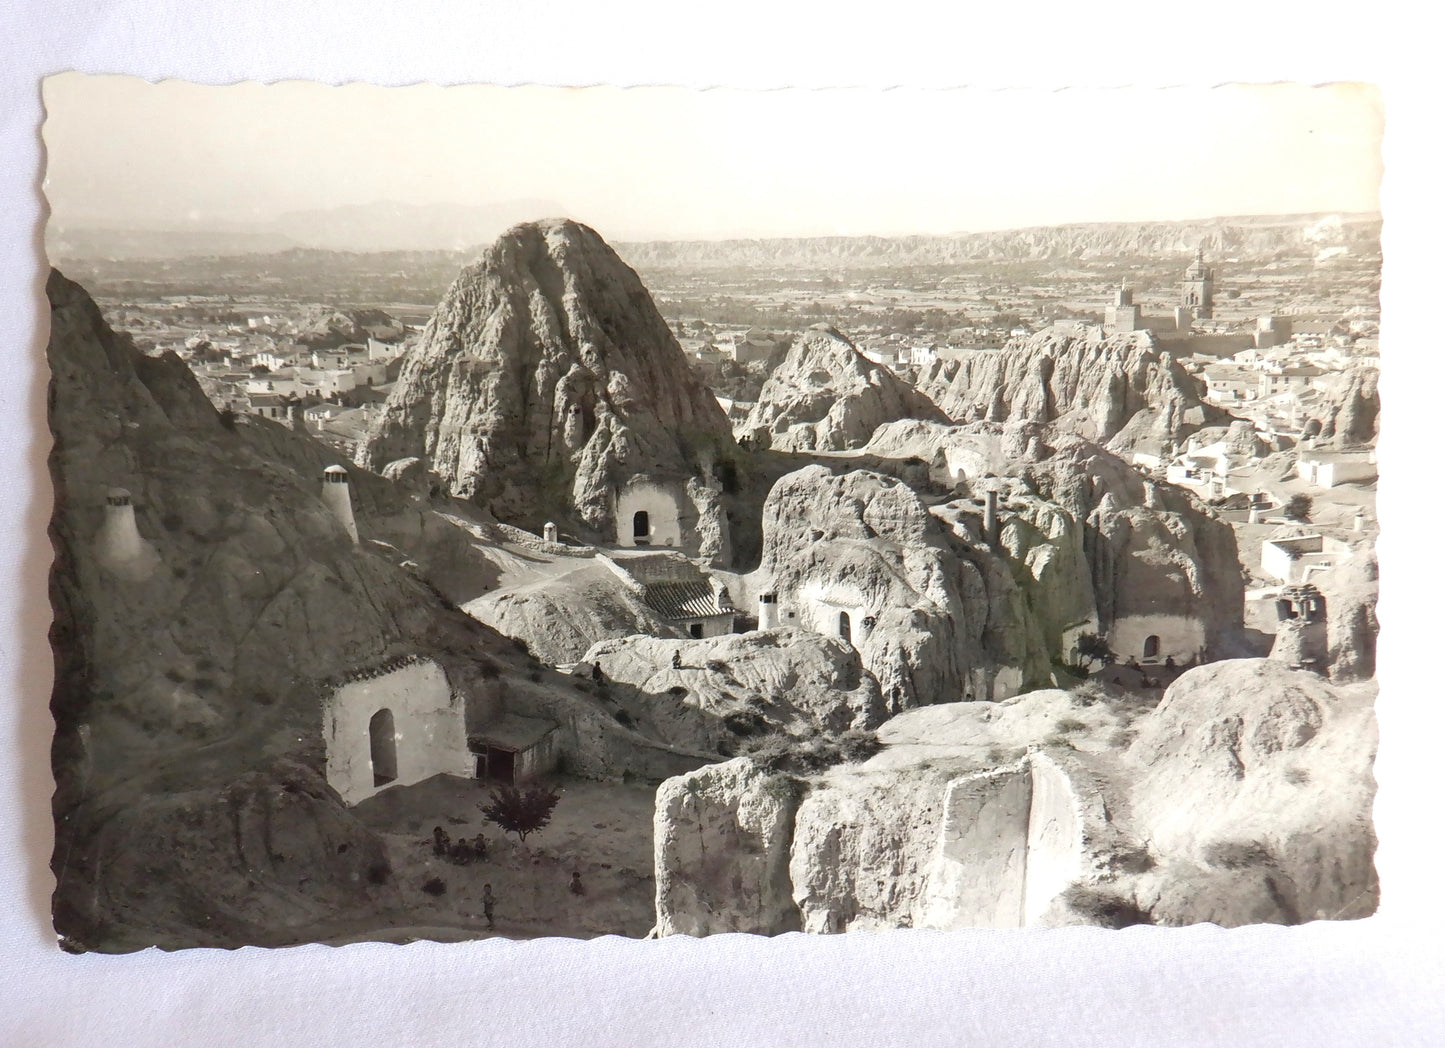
(641, 527)
(1151, 646)
(383, 747)
(496, 764)
(845, 626)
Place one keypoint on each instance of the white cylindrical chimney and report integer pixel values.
(990, 516)
(1359, 520)
(549, 532)
(336, 493)
(119, 540)
(768, 611)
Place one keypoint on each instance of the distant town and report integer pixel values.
(1269, 337)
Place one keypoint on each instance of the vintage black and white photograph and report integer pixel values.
(523, 512)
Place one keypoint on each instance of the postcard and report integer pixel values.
(524, 512)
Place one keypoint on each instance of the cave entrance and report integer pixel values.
(845, 626)
(641, 527)
(497, 764)
(1151, 646)
(383, 747)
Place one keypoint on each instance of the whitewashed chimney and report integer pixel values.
(119, 540)
(336, 493)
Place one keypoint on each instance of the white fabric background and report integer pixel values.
(1375, 982)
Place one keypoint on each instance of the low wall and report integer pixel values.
(517, 536)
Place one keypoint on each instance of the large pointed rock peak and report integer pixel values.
(547, 382)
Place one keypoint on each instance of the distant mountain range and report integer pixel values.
(1255, 236)
(382, 226)
(441, 227)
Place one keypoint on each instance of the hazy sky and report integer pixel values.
(672, 163)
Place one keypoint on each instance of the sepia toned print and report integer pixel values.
(532, 512)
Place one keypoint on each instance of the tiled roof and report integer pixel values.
(683, 600)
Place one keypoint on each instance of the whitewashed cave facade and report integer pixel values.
(652, 513)
(1151, 639)
(394, 726)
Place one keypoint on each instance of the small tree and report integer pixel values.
(522, 811)
(1092, 648)
(1298, 507)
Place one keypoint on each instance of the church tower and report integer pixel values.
(1197, 292)
(1122, 316)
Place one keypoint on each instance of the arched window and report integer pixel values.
(845, 626)
(641, 526)
(383, 748)
(1151, 646)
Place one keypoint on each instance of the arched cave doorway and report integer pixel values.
(383, 747)
(845, 626)
(1151, 646)
(641, 527)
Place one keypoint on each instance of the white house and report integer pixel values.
(1326, 469)
(1294, 560)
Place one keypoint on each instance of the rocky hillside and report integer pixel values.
(826, 396)
(934, 619)
(1038, 811)
(1120, 388)
(337, 329)
(545, 377)
(1247, 237)
(1084, 543)
(1152, 548)
(753, 683)
(561, 618)
(1351, 416)
(1277, 766)
(191, 805)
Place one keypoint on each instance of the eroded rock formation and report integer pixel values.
(826, 396)
(699, 693)
(1161, 564)
(1121, 388)
(1351, 417)
(860, 556)
(1038, 811)
(545, 379)
(721, 839)
(1276, 764)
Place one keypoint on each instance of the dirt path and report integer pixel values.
(602, 831)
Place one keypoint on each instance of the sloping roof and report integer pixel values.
(511, 732)
(683, 600)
